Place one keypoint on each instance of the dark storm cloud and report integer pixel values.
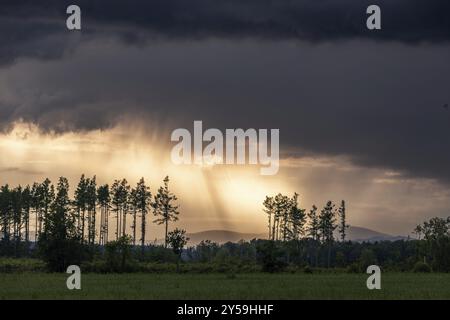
(378, 102)
(27, 26)
(311, 20)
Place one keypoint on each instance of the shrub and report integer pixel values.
(59, 254)
(21, 265)
(354, 268)
(156, 253)
(421, 267)
(153, 267)
(367, 258)
(118, 255)
(292, 268)
(308, 270)
(271, 257)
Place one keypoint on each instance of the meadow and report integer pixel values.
(324, 285)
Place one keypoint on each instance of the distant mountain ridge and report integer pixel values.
(222, 236)
(356, 234)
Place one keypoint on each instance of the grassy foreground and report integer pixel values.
(220, 286)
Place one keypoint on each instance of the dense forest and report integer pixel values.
(103, 229)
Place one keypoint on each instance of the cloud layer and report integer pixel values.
(308, 67)
(30, 24)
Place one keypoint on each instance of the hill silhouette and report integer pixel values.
(354, 233)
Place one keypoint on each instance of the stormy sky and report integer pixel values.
(360, 112)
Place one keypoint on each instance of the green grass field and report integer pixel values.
(220, 286)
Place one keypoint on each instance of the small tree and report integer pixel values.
(104, 200)
(436, 238)
(367, 258)
(313, 228)
(91, 201)
(47, 196)
(5, 213)
(59, 243)
(120, 193)
(26, 208)
(134, 207)
(297, 219)
(343, 226)
(269, 209)
(143, 203)
(281, 206)
(118, 254)
(177, 240)
(327, 225)
(81, 205)
(271, 256)
(164, 207)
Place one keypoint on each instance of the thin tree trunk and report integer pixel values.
(102, 226)
(94, 213)
(124, 223)
(117, 223)
(119, 217)
(107, 225)
(329, 255)
(273, 228)
(82, 225)
(27, 227)
(88, 231)
(278, 229)
(143, 233)
(134, 228)
(167, 228)
(79, 222)
(36, 226)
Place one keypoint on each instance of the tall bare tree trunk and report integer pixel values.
(134, 227)
(124, 224)
(167, 228)
(118, 223)
(143, 233)
(83, 218)
(102, 226)
(273, 228)
(36, 227)
(106, 225)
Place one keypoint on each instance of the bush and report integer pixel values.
(367, 258)
(271, 257)
(118, 255)
(21, 265)
(103, 266)
(59, 254)
(421, 267)
(354, 268)
(308, 270)
(158, 267)
(292, 268)
(156, 253)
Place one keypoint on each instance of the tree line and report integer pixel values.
(102, 225)
(289, 223)
(286, 221)
(434, 244)
(47, 210)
